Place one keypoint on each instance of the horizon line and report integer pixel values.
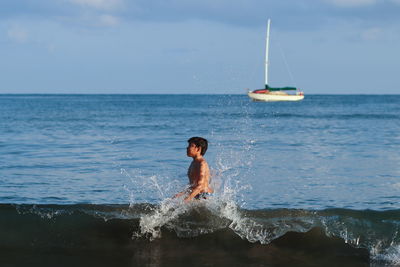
(216, 94)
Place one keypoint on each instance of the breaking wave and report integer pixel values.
(98, 227)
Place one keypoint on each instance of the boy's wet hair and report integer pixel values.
(199, 142)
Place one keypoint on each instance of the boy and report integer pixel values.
(198, 172)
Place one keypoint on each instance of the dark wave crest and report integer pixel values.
(111, 235)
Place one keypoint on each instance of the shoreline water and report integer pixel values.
(328, 165)
(258, 237)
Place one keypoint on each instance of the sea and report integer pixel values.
(89, 180)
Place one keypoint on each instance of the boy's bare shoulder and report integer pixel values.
(203, 163)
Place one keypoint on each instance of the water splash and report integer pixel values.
(379, 236)
(391, 255)
(150, 224)
(149, 187)
(43, 212)
(205, 216)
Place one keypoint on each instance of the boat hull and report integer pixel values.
(274, 97)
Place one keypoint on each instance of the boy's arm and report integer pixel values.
(184, 192)
(180, 194)
(201, 184)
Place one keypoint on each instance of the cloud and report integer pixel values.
(17, 34)
(291, 15)
(108, 20)
(99, 4)
(352, 3)
(372, 34)
(94, 16)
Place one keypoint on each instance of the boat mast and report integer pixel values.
(266, 54)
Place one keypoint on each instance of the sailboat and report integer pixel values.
(269, 94)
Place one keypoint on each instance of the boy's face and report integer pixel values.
(192, 150)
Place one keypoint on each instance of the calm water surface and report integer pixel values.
(327, 151)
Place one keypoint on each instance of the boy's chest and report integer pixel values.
(193, 171)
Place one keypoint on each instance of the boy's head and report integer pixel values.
(199, 142)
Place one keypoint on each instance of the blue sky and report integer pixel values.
(208, 46)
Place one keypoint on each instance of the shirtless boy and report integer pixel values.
(198, 172)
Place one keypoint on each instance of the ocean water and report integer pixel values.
(89, 179)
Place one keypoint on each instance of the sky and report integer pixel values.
(198, 47)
